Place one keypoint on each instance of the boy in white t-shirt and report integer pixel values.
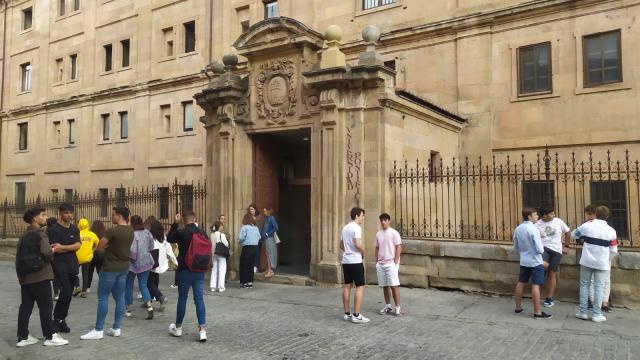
(388, 249)
(554, 234)
(352, 266)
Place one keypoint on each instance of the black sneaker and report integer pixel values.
(607, 309)
(543, 315)
(62, 326)
(519, 311)
(548, 302)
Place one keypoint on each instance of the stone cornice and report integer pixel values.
(412, 109)
(117, 92)
(478, 23)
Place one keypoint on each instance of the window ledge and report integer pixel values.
(73, 80)
(122, 141)
(58, 83)
(106, 142)
(76, 12)
(24, 92)
(534, 96)
(22, 151)
(603, 88)
(21, 32)
(60, 17)
(164, 137)
(166, 58)
(125, 69)
(398, 3)
(187, 133)
(55, 147)
(70, 146)
(103, 73)
(183, 55)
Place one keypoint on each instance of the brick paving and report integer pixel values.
(290, 322)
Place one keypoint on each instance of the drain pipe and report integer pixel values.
(2, 76)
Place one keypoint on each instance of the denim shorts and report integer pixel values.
(535, 274)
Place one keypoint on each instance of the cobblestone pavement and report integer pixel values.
(288, 322)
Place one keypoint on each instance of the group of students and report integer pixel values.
(131, 249)
(542, 241)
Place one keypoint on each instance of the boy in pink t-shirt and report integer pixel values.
(388, 249)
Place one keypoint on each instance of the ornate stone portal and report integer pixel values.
(357, 123)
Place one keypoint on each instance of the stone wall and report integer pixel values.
(493, 268)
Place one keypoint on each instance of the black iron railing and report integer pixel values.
(472, 199)
(161, 201)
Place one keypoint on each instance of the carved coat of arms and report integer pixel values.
(276, 90)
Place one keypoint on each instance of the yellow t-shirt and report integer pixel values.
(88, 241)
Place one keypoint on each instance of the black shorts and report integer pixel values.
(353, 273)
(552, 258)
(533, 274)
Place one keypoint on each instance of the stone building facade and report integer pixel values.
(449, 78)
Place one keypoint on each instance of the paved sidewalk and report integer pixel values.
(289, 322)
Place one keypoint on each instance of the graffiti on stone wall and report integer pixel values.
(354, 163)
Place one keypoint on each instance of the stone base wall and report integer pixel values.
(494, 268)
(8, 249)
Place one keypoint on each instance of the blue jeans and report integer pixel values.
(599, 277)
(110, 283)
(143, 277)
(190, 279)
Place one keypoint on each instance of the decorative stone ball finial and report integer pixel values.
(371, 34)
(230, 60)
(217, 67)
(333, 33)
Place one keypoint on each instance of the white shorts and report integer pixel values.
(387, 275)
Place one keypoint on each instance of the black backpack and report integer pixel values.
(29, 258)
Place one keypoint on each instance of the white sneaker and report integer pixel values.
(113, 332)
(359, 319)
(255, 269)
(214, 289)
(202, 336)
(387, 309)
(30, 340)
(175, 331)
(599, 318)
(582, 316)
(139, 296)
(92, 335)
(222, 290)
(56, 340)
(398, 311)
(346, 317)
(88, 290)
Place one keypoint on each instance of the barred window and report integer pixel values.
(104, 202)
(538, 193)
(163, 202)
(612, 194)
(370, 4)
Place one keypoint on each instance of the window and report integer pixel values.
(59, 70)
(72, 131)
(370, 4)
(270, 9)
(25, 71)
(435, 161)
(56, 132)
(165, 118)
(120, 196)
(186, 197)
(602, 58)
(74, 66)
(61, 7)
(124, 124)
(104, 202)
(612, 194)
(126, 46)
(54, 194)
(538, 193)
(106, 129)
(68, 195)
(20, 195)
(23, 130)
(534, 68)
(27, 18)
(76, 5)
(163, 202)
(167, 36)
(187, 115)
(189, 36)
(108, 60)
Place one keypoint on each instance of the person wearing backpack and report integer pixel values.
(164, 252)
(33, 267)
(194, 259)
(220, 255)
(140, 262)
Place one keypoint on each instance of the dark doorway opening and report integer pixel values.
(282, 180)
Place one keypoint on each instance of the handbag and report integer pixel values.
(221, 250)
(155, 254)
(276, 237)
